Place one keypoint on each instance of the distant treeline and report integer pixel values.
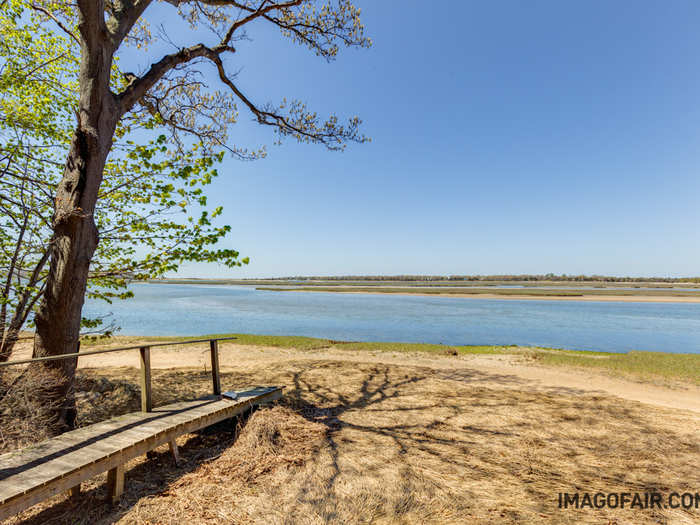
(524, 277)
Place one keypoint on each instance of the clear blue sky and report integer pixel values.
(508, 137)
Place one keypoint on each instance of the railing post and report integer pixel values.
(214, 345)
(146, 401)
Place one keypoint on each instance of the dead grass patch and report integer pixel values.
(25, 414)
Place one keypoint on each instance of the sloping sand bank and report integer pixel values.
(508, 371)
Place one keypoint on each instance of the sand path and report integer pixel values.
(498, 371)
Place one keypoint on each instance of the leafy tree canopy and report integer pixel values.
(152, 213)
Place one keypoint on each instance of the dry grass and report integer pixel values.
(25, 414)
(383, 443)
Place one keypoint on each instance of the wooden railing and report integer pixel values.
(145, 363)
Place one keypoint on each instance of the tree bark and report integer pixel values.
(75, 235)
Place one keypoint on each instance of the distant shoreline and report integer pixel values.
(625, 292)
(644, 285)
(582, 297)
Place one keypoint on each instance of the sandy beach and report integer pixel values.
(520, 372)
(584, 297)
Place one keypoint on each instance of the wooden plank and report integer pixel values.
(146, 398)
(110, 437)
(74, 492)
(61, 472)
(216, 378)
(152, 422)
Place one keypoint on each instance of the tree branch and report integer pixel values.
(91, 21)
(139, 86)
(124, 14)
(318, 32)
(56, 21)
(262, 10)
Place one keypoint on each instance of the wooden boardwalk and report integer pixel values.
(34, 474)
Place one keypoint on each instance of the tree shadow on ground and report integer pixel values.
(468, 437)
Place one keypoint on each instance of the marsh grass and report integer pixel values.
(312, 343)
(637, 365)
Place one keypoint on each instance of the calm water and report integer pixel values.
(191, 310)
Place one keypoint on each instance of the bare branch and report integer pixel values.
(304, 128)
(56, 21)
(262, 10)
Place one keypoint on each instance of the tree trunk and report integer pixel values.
(75, 235)
(25, 304)
(7, 343)
(11, 334)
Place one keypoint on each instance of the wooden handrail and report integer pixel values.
(107, 350)
(145, 364)
(146, 396)
(214, 347)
